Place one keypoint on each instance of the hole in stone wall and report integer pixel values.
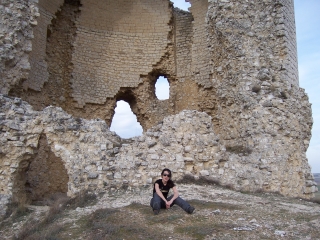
(42, 176)
(162, 88)
(181, 4)
(46, 174)
(124, 121)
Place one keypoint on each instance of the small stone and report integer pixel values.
(151, 144)
(280, 233)
(216, 212)
(93, 175)
(187, 149)
(117, 175)
(242, 229)
(204, 173)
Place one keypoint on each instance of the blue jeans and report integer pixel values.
(156, 202)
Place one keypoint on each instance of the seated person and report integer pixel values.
(160, 194)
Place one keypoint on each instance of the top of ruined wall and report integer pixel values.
(104, 60)
(257, 39)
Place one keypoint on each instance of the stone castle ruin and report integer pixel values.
(235, 113)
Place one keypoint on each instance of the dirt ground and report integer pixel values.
(125, 214)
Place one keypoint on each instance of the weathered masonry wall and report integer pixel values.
(286, 28)
(39, 67)
(88, 156)
(183, 43)
(200, 53)
(235, 111)
(114, 46)
(16, 34)
(49, 78)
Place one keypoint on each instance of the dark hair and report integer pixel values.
(170, 182)
(166, 170)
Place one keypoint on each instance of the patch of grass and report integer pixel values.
(99, 223)
(200, 204)
(164, 217)
(47, 228)
(116, 224)
(304, 217)
(19, 212)
(143, 209)
(37, 231)
(201, 231)
(84, 198)
(283, 210)
(196, 231)
(15, 213)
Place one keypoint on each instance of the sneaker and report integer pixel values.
(156, 211)
(190, 210)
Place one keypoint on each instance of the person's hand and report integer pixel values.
(168, 204)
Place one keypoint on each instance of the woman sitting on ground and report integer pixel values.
(160, 194)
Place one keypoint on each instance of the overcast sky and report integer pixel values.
(308, 34)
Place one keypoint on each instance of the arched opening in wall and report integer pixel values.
(41, 176)
(162, 88)
(181, 4)
(124, 121)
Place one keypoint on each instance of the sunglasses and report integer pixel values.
(166, 175)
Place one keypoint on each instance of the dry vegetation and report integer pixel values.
(220, 214)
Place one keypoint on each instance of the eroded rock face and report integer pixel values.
(235, 111)
(17, 19)
(96, 158)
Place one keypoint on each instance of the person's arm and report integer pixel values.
(175, 195)
(156, 186)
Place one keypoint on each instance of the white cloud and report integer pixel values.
(162, 88)
(182, 4)
(124, 122)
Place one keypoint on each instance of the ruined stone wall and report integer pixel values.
(200, 46)
(287, 30)
(95, 158)
(114, 46)
(45, 175)
(231, 64)
(39, 68)
(183, 43)
(16, 35)
(256, 109)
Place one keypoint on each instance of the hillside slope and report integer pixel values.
(125, 214)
